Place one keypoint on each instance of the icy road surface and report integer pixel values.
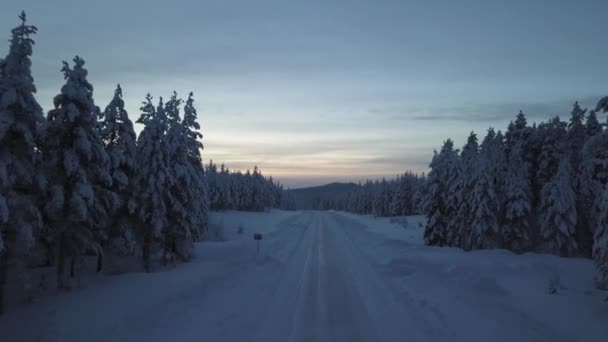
(326, 276)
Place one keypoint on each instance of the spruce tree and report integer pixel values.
(485, 228)
(454, 197)
(592, 126)
(484, 201)
(443, 163)
(464, 215)
(595, 176)
(194, 146)
(21, 129)
(575, 140)
(558, 214)
(597, 158)
(552, 135)
(79, 170)
(517, 227)
(116, 131)
(153, 178)
(600, 245)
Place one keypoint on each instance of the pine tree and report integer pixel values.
(116, 131)
(187, 204)
(597, 158)
(400, 199)
(454, 197)
(559, 217)
(153, 179)
(592, 126)
(177, 235)
(79, 170)
(211, 177)
(199, 200)
(421, 197)
(517, 227)
(21, 125)
(443, 163)
(575, 140)
(485, 228)
(600, 245)
(517, 133)
(484, 201)
(468, 164)
(552, 134)
(595, 176)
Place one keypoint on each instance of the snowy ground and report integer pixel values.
(326, 276)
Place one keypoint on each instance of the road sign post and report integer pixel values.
(257, 237)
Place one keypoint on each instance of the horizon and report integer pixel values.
(367, 91)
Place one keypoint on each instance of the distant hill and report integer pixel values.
(306, 197)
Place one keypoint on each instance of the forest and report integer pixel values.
(78, 181)
(535, 188)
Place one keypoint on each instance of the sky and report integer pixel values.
(320, 91)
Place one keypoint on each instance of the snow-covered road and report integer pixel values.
(330, 293)
(326, 276)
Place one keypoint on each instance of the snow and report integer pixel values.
(327, 276)
(251, 222)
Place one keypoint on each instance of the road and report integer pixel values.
(330, 293)
(322, 276)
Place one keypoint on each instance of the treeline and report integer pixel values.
(234, 190)
(534, 188)
(80, 182)
(400, 196)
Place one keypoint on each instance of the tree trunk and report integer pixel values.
(146, 251)
(60, 262)
(3, 278)
(72, 267)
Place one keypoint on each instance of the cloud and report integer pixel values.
(485, 112)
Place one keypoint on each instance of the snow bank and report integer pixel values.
(486, 294)
(126, 304)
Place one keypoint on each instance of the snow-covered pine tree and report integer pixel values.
(400, 198)
(443, 163)
(529, 143)
(575, 140)
(21, 125)
(498, 164)
(211, 177)
(552, 135)
(116, 131)
(464, 216)
(258, 191)
(597, 157)
(600, 245)
(454, 198)
(187, 204)
(153, 179)
(517, 132)
(421, 196)
(247, 191)
(177, 235)
(592, 126)
(595, 175)
(558, 214)
(229, 188)
(79, 170)
(484, 202)
(194, 146)
(516, 228)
